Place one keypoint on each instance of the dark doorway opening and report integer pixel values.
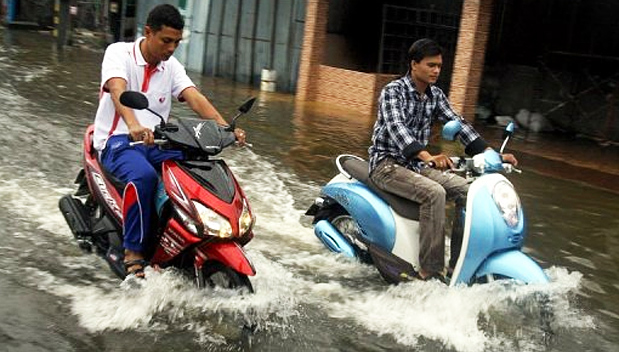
(559, 58)
(374, 35)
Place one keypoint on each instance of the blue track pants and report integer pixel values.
(138, 167)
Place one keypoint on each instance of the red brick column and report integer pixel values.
(314, 36)
(470, 55)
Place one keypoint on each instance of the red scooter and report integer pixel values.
(203, 217)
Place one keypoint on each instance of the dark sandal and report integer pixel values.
(139, 272)
(435, 276)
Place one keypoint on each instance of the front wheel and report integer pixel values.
(215, 274)
(489, 278)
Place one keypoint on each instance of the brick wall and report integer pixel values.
(358, 91)
(314, 37)
(470, 55)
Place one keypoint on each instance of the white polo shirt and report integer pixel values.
(125, 60)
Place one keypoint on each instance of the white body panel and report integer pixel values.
(406, 244)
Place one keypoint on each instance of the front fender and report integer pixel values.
(228, 253)
(513, 264)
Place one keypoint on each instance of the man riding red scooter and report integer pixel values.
(146, 65)
(114, 164)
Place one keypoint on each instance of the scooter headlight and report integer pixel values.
(507, 201)
(188, 222)
(246, 221)
(214, 224)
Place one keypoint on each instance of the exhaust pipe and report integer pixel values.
(76, 215)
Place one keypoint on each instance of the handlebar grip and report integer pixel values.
(156, 142)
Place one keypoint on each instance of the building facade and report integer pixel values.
(502, 55)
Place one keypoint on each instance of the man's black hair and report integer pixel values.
(165, 15)
(421, 49)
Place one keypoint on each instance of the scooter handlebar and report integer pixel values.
(156, 142)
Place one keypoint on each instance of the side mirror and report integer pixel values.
(509, 130)
(138, 101)
(243, 109)
(451, 130)
(134, 100)
(246, 106)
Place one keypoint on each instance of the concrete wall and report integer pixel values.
(245, 36)
(191, 39)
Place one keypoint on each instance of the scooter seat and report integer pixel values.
(359, 169)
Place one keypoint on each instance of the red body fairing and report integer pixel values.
(100, 187)
(228, 253)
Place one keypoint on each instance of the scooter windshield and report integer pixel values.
(204, 135)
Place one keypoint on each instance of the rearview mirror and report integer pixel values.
(246, 106)
(134, 100)
(243, 109)
(451, 129)
(509, 130)
(138, 101)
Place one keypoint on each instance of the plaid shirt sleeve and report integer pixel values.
(467, 136)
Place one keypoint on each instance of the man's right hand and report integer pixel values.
(440, 161)
(141, 133)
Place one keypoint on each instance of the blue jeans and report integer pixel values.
(137, 167)
(430, 188)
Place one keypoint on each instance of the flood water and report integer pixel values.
(56, 298)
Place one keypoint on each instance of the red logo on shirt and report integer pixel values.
(161, 100)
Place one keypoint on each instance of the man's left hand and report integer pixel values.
(240, 136)
(509, 158)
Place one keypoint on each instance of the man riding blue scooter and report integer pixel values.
(407, 109)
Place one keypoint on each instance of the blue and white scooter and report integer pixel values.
(353, 217)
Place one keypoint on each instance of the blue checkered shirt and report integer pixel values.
(405, 119)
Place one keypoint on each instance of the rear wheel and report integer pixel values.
(215, 274)
(349, 228)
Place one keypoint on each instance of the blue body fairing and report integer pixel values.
(161, 197)
(514, 264)
(488, 234)
(371, 212)
(333, 239)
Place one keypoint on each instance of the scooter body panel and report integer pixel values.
(373, 215)
(333, 239)
(174, 239)
(100, 188)
(228, 253)
(485, 230)
(380, 225)
(513, 264)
